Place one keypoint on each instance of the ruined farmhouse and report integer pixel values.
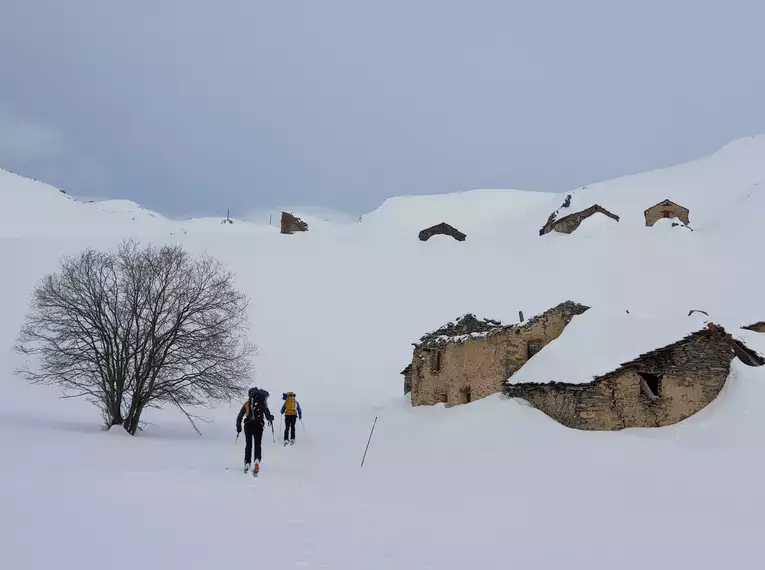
(658, 388)
(472, 358)
(441, 229)
(292, 224)
(570, 223)
(666, 209)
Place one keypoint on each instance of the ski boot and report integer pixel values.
(256, 468)
(292, 442)
(246, 467)
(286, 442)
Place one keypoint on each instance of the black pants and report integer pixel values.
(253, 433)
(289, 422)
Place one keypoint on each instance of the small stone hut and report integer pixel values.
(658, 388)
(666, 209)
(472, 358)
(292, 224)
(441, 229)
(570, 223)
(756, 327)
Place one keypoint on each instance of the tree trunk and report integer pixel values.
(115, 414)
(134, 416)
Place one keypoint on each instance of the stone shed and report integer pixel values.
(666, 209)
(441, 229)
(570, 223)
(658, 388)
(471, 358)
(292, 224)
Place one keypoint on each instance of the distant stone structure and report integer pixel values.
(666, 209)
(756, 327)
(570, 223)
(471, 358)
(659, 388)
(441, 229)
(292, 224)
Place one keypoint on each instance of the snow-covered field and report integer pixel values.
(494, 484)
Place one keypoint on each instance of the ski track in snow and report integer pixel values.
(495, 483)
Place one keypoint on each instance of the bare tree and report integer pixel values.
(138, 328)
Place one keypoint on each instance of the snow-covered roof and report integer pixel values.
(599, 341)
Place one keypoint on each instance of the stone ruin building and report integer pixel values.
(292, 224)
(666, 209)
(756, 327)
(571, 222)
(441, 229)
(472, 358)
(658, 388)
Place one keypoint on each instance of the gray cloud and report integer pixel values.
(195, 106)
(24, 143)
(41, 151)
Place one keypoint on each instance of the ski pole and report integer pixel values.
(280, 423)
(302, 424)
(370, 439)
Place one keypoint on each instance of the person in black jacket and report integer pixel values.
(253, 411)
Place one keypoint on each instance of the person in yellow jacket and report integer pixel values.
(292, 413)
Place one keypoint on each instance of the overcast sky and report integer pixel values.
(194, 106)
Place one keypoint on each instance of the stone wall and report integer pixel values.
(570, 223)
(407, 372)
(291, 224)
(665, 209)
(443, 371)
(692, 373)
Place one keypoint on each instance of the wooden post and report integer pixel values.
(520, 315)
(370, 439)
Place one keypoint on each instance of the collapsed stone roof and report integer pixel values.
(469, 327)
(466, 325)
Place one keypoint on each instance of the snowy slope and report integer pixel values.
(470, 212)
(34, 209)
(704, 186)
(334, 311)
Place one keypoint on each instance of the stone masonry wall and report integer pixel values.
(482, 365)
(656, 213)
(693, 375)
(291, 224)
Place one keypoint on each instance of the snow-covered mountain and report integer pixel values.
(334, 313)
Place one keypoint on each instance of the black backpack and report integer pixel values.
(257, 405)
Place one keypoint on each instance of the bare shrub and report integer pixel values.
(137, 328)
